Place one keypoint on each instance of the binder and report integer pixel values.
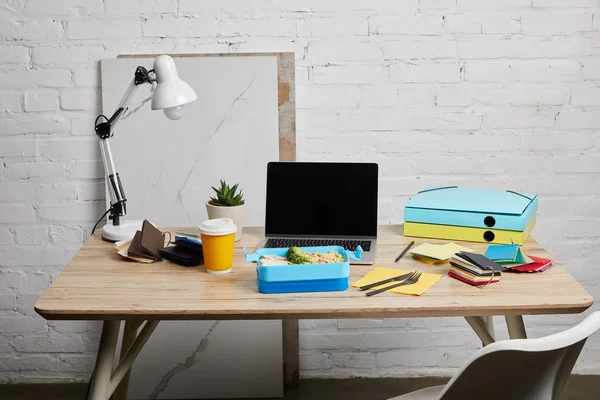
(468, 234)
(477, 208)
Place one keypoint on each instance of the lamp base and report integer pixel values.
(125, 231)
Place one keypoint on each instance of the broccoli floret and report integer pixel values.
(297, 256)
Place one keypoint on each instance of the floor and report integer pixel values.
(579, 387)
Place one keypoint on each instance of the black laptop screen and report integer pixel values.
(321, 199)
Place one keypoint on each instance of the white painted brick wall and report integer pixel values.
(490, 94)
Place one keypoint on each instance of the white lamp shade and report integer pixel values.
(170, 90)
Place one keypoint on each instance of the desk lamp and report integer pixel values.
(170, 95)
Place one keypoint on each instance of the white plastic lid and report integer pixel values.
(218, 227)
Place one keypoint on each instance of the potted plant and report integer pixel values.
(227, 203)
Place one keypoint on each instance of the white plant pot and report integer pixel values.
(235, 213)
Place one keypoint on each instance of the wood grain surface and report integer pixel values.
(99, 284)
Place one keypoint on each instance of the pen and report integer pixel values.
(404, 251)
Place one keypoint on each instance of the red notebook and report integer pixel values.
(539, 265)
(460, 278)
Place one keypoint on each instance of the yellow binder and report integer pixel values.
(468, 234)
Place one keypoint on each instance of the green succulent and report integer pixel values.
(227, 196)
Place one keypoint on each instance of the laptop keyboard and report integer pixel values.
(346, 244)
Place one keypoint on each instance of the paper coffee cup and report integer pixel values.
(218, 237)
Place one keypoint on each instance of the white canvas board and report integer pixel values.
(231, 132)
(210, 359)
(167, 168)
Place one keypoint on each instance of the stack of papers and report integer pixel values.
(512, 259)
(436, 253)
(474, 269)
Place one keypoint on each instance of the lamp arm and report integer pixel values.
(104, 131)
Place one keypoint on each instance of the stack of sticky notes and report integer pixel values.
(436, 253)
(474, 269)
(453, 213)
(512, 259)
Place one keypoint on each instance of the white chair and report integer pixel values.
(520, 369)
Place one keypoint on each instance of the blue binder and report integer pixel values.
(478, 208)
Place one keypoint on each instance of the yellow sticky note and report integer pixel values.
(431, 261)
(438, 252)
(380, 273)
(451, 249)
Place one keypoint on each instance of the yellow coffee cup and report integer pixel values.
(218, 237)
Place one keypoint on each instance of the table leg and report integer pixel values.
(104, 361)
(129, 334)
(291, 353)
(131, 354)
(516, 327)
(484, 328)
(488, 322)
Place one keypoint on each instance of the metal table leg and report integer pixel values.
(488, 322)
(130, 331)
(104, 362)
(130, 355)
(516, 327)
(484, 328)
(105, 381)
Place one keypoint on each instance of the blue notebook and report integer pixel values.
(478, 208)
(504, 253)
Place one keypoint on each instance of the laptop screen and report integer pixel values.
(321, 199)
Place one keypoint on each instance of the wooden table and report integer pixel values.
(100, 285)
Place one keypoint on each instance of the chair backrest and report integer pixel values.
(522, 369)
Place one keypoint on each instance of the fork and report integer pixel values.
(383, 282)
(414, 278)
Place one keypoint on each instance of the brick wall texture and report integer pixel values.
(489, 94)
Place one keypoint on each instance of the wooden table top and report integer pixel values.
(100, 284)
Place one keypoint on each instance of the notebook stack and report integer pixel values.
(187, 250)
(474, 269)
(475, 215)
(512, 259)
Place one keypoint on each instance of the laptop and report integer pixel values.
(322, 204)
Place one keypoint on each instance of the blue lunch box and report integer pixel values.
(304, 277)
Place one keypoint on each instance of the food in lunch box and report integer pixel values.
(268, 260)
(297, 256)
